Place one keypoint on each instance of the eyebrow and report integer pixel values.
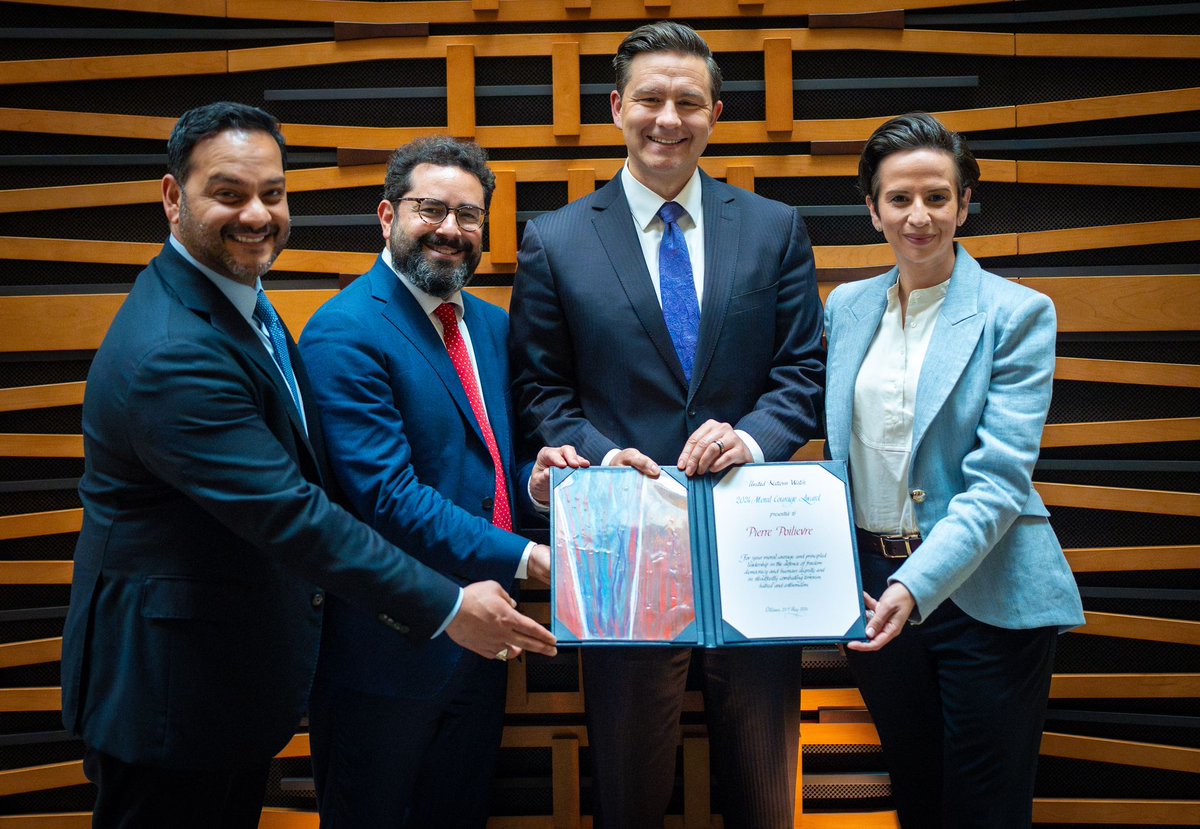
(221, 178)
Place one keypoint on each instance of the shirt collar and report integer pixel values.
(243, 297)
(644, 202)
(428, 302)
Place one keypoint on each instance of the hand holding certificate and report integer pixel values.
(764, 553)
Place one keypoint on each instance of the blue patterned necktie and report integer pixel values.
(681, 309)
(264, 312)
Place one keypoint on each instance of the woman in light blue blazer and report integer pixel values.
(939, 380)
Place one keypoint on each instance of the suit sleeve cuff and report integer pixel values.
(450, 618)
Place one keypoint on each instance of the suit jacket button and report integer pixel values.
(318, 599)
(691, 412)
(487, 504)
(918, 496)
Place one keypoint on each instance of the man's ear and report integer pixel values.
(172, 194)
(387, 215)
(614, 98)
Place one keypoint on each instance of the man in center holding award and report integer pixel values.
(669, 318)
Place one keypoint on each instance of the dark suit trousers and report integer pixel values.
(135, 796)
(959, 705)
(634, 697)
(413, 763)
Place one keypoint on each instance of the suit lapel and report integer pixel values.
(401, 309)
(202, 297)
(954, 339)
(614, 226)
(846, 354)
(722, 230)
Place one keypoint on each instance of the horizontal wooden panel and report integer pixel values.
(41, 778)
(1125, 686)
(57, 122)
(33, 524)
(1108, 46)
(1111, 236)
(1125, 559)
(1155, 501)
(56, 820)
(1112, 106)
(25, 398)
(36, 572)
(41, 446)
(1107, 175)
(1114, 432)
(291, 819)
(371, 175)
(110, 67)
(1122, 303)
(460, 11)
(1141, 813)
(1124, 752)
(1145, 628)
(606, 43)
(200, 8)
(30, 699)
(33, 652)
(1184, 375)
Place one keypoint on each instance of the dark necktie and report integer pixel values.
(502, 514)
(264, 312)
(681, 309)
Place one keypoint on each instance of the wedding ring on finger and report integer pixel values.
(503, 655)
(720, 444)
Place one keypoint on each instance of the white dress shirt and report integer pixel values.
(644, 205)
(885, 392)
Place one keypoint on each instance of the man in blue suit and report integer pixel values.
(411, 378)
(208, 538)
(671, 318)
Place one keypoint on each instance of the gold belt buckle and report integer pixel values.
(886, 542)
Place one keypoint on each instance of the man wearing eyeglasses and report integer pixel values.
(411, 378)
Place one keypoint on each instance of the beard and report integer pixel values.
(440, 279)
(207, 245)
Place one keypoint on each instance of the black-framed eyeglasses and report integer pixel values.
(434, 211)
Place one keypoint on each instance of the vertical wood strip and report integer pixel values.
(697, 801)
(777, 70)
(740, 175)
(460, 90)
(564, 753)
(580, 182)
(502, 221)
(565, 61)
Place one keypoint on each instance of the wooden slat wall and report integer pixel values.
(570, 153)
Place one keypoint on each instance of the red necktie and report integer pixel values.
(502, 515)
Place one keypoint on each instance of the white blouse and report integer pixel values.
(884, 396)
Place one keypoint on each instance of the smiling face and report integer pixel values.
(439, 259)
(667, 114)
(231, 213)
(918, 209)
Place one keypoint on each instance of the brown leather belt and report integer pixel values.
(888, 546)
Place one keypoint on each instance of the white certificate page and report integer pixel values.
(784, 552)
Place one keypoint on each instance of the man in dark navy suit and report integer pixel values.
(410, 375)
(671, 318)
(208, 538)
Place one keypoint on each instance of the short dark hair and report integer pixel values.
(204, 122)
(665, 36)
(440, 150)
(914, 131)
